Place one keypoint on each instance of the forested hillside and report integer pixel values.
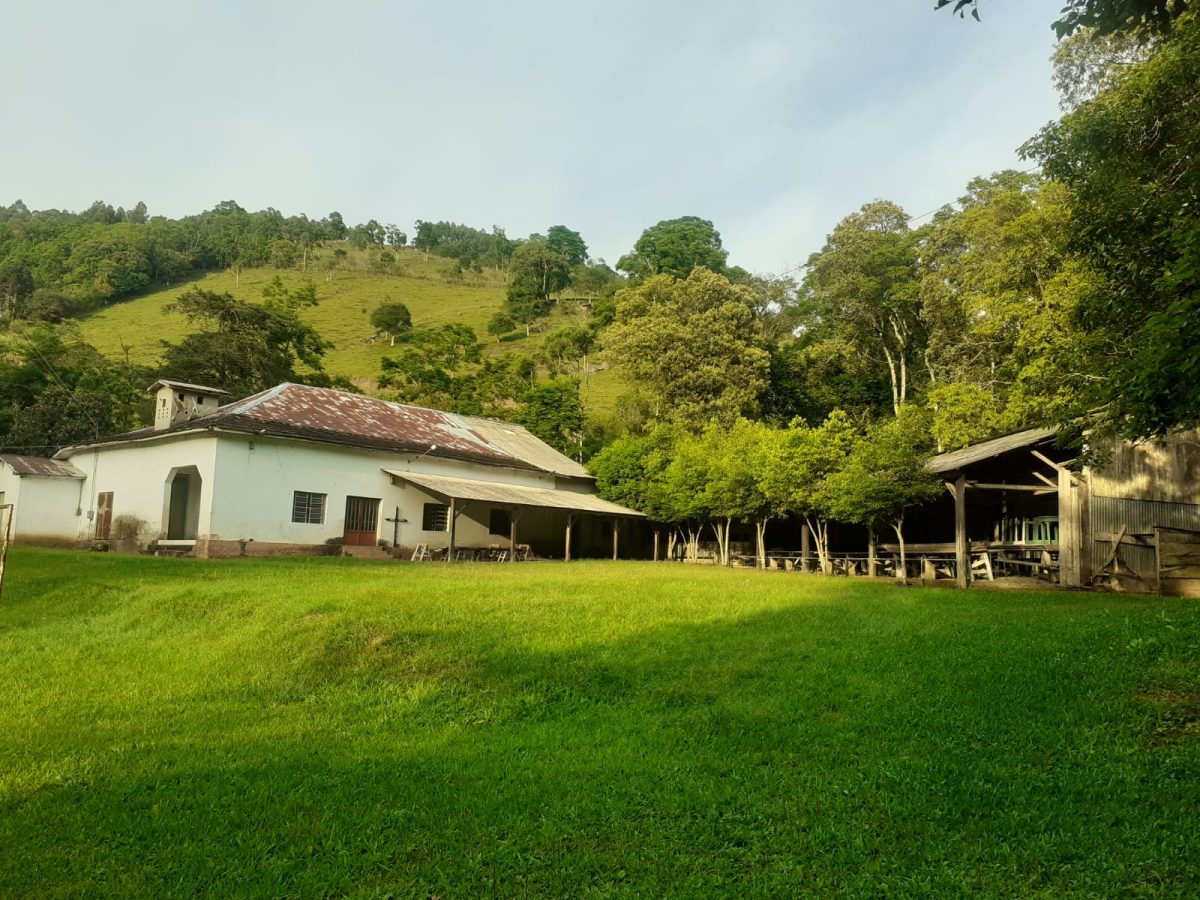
(1065, 294)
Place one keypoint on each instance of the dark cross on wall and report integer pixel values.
(395, 520)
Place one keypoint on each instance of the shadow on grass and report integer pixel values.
(864, 747)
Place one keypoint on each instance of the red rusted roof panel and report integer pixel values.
(37, 465)
(317, 409)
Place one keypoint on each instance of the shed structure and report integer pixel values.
(1021, 503)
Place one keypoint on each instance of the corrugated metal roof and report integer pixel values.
(39, 467)
(194, 388)
(355, 420)
(518, 442)
(517, 495)
(959, 459)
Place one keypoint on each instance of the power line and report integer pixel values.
(46, 366)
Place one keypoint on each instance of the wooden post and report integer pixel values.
(871, 551)
(512, 535)
(616, 522)
(567, 547)
(453, 523)
(656, 545)
(962, 559)
(805, 552)
(1074, 541)
(6, 516)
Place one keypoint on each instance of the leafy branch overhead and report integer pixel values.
(1105, 16)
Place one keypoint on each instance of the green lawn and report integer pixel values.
(329, 727)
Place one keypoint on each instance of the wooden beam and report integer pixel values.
(512, 536)
(805, 550)
(656, 545)
(962, 558)
(871, 560)
(616, 525)
(567, 548)
(1057, 467)
(1047, 460)
(453, 522)
(989, 486)
(1048, 481)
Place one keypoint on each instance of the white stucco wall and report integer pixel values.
(44, 508)
(247, 482)
(138, 475)
(10, 485)
(256, 478)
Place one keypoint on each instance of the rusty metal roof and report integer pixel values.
(355, 420)
(39, 467)
(513, 494)
(959, 459)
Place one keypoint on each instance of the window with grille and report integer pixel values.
(308, 508)
(435, 517)
(500, 522)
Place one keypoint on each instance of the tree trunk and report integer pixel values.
(891, 361)
(902, 566)
(760, 536)
(819, 529)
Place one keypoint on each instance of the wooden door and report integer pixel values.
(104, 505)
(177, 514)
(362, 521)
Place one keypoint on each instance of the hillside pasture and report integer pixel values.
(313, 727)
(349, 289)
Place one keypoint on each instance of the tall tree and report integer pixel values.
(1000, 290)
(796, 477)
(694, 346)
(553, 412)
(241, 347)
(392, 318)
(863, 284)
(884, 476)
(568, 244)
(1131, 159)
(536, 272)
(675, 247)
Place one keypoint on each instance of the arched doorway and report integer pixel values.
(182, 517)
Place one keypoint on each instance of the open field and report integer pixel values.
(348, 294)
(324, 726)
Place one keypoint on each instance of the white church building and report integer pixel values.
(299, 469)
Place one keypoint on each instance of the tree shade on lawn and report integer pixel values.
(322, 726)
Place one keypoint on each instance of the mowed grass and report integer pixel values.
(322, 727)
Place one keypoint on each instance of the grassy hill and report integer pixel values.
(318, 727)
(349, 290)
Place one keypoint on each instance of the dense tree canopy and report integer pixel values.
(241, 347)
(693, 344)
(675, 247)
(1131, 159)
(862, 286)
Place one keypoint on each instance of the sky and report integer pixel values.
(774, 119)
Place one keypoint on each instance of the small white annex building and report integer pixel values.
(45, 496)
(296, 468)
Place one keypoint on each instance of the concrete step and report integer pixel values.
(366, 553)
